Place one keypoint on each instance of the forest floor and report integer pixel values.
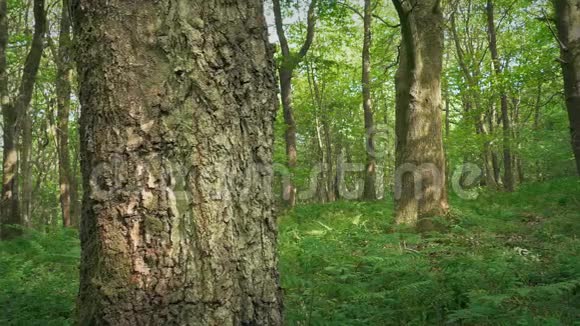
(505, 259)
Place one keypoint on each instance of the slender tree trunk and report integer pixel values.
(63, 90)
(370, 191)
(491, 162)
(286, 71)
(568, 22)
(518, 162)
(339, 170)
(289, 193)
(75, 193)
(323, 190)
(26, 166)
(472, 74)
(327, 145)
(447, 117)
(536, 128)
(14, 112)
(178, 101)
(420, 167)
(494, 156)
(330, 180)
(505, 118)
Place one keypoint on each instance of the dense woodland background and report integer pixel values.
(508, 254)
(327, 95)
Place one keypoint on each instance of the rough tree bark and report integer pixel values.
(13, 113)
(420, 159)
(178, 100)
(286, 72)
(63, 92)
(370, 191)
(505, 117)
(568, 23)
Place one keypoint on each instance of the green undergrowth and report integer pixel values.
(503, 259)
(39, 278)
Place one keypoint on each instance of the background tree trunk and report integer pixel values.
(9, 210)
(26, 164)
(178, 100)
(289, 192)
(370, 191)
(418, 115)
(63, 90)
(568, 22)
(495, 162)
(286, 71)
(14, 113)
(473, 96)
(508, 181)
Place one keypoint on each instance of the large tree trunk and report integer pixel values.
(13, 112)
(505, 117)
(370, 191)
(178, 100)
(568, 22)
(420, 159)
(63, 90)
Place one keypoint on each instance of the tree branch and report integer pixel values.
(280, 29)
(562, 45)
(310, 23)
(359, 13)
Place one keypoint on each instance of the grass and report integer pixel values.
(506, 259)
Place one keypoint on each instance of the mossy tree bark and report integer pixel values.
(568, 22)
(420, 159)
(178, 101)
